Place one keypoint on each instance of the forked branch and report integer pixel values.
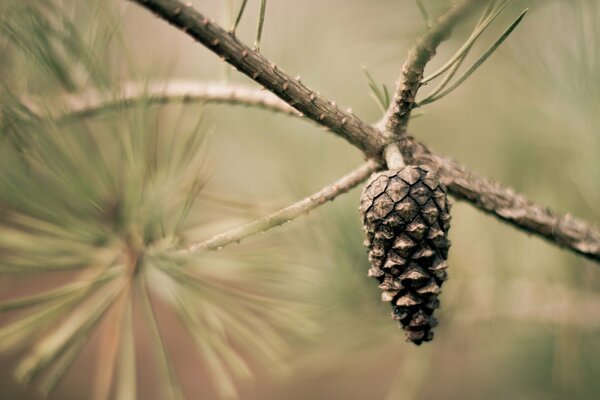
(574, 234)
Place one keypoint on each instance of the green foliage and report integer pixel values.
(380, 95)
(451, 67)
(111, 202)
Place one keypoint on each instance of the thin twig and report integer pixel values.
(569, 232)
(289, 213)
(398, 114)
(132, 93)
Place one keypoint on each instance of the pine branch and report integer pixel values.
(253, 64)
(398, 114)
(571, 233)
(93, 103)
(291, 212)
(563, 230)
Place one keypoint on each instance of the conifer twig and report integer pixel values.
(565, 231)
(398, 114)
(90, 104)
(238, 18)
(261, 22)
(289, 213)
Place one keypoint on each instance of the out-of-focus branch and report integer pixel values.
(522, 300)
(289, 213)
(398, 114)
(132, 93)
(569, 232)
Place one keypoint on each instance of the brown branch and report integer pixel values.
(504, 203)
(90, 104)
(256, 66)
(291, 212)
(398, 113)
(563, 230)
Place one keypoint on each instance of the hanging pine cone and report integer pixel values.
(406, 217)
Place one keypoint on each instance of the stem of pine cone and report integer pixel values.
(393, 157)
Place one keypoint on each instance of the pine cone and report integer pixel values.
(406, 217)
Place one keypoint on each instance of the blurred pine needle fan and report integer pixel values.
(93, 212)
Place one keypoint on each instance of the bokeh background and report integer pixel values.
(520, 318)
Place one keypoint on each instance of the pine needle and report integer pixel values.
(76, 326)
(424, 13)
(238, 18)
(173, 386)
(477, 63)
(480, 27)
(380, 95)
(221, 376)
(261, 21)
(58, 369)
(108, 348)
(60, 293)
(126, 385)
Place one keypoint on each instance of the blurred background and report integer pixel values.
(290, 313)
